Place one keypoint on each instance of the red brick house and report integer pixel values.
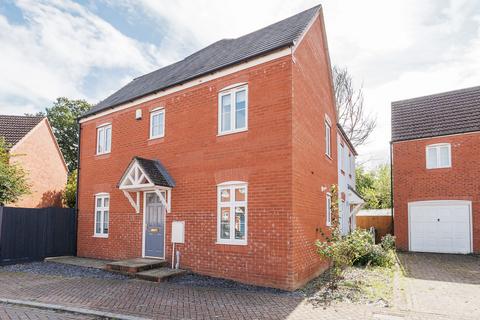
(31, 141)
(436, 172)
(232, 142)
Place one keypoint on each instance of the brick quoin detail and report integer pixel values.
(281, 156)
(413, 182)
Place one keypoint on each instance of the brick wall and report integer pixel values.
(38, 154)
(312, 169)
(413, 182)
(285, 173)
(198, 160)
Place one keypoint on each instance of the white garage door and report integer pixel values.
(440, 226)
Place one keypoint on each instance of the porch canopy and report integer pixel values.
(355, 199)
(146, 175)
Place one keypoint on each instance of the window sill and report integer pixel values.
(220, 134)
(231, 243)
(102, 236)
(102, 154)
(328, 156)
(156, 138)
(436, 168)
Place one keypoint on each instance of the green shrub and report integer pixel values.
(378, 257)
(356, 248)
(388, 242)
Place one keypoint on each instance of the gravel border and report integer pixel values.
(196, 280)
(63, 270)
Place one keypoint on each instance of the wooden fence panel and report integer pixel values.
(28, 234)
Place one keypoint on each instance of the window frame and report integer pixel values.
(102, 210)
(103, 128)
(437, 147)
(232, 90)
(328, 212)
(232, 185)
(153, 113)
(328, 138)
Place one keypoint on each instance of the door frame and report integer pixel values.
(143, 228)
(468, 203)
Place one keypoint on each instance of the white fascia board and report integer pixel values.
(189, 84)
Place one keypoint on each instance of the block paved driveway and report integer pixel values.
(181, 301)
(444, 284)
(11, 312)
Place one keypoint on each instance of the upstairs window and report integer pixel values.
(328, 139)
(232, 213)
(102, 204)
(233, 110)
(104, 139)
(157, 123)
(439, 156)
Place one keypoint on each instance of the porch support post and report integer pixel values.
(136, 205)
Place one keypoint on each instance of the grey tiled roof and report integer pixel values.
(14, 128)
(156, 172)
(436, 115)
(218, 55)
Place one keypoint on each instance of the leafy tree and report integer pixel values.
(63, 119)
(70, 192)
(358, 125)
(375, 187)
(13, 179)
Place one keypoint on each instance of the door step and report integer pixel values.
(159, 274)
(134, 266)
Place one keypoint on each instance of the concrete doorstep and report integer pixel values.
(75, 310)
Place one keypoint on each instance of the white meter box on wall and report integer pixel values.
(178, 231)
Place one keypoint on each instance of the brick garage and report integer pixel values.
(281, 157)
(413, 182)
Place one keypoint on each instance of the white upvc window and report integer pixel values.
(102, 205)
(232, 213)
(233, 110)
(157, 123)
(329, 210)
(352, 165)
(328, 139)
(104, 138)
(439, 156)
(341, 156)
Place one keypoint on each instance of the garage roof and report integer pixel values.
(440, 114)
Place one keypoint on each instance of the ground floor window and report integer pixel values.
(102, 204)
(232, 213)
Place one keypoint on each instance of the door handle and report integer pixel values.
(438, 220)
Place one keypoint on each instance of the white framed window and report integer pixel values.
(352, 165)
(328, 139)
(232, 213)
(329, 210)
(104, 138)
(102, 205)
(233, 110)
(341, 156)
(157, 123)
(439, 156)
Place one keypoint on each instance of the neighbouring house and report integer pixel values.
(34, 147)
(349, 201)
(380, 219)
(236, 141)
(436, 172)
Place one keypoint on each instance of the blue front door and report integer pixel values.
(154, 226)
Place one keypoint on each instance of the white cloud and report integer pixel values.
(55, 51)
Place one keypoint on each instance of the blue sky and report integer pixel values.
(88, 49)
